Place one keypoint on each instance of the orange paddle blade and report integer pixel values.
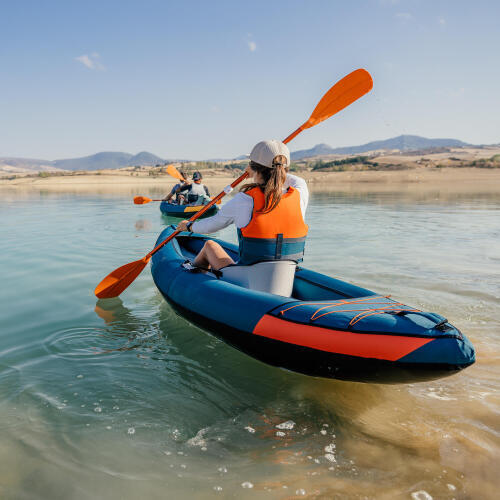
(117, 281)
(174, 173)
(141, 200)
(344, 92)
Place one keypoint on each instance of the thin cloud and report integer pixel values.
(442, 21)
(450, 93)
(252, 46)
(90, 61)
(457, 93)
(404, 16)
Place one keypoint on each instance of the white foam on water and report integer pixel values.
(435, 395)
(289, 425)
(421, 495)
(198, 439)
(330, 448)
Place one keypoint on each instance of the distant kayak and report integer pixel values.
(185, 211)
(327, 328)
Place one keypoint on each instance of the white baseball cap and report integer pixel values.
(264, 152)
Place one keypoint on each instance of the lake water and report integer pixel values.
(123, 399)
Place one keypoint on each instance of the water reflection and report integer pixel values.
(123, 398)
(143, 225)
(318, 426)
(389, 196)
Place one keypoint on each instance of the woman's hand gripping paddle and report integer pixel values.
(345, 92)
(171, 170)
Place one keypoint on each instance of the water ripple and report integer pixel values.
(80, 343)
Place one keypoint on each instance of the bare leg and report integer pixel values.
(212, 255)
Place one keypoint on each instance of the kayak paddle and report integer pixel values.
(342, 94)
(141, 200)
(175, 173)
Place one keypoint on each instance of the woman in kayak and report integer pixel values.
(268, 213)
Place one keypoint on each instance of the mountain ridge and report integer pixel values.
(401, 142)
(116, 159)
(98, 161)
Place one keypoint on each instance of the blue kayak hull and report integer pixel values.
(185, 211)
(328, 328)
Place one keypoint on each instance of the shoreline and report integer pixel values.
(421, 179)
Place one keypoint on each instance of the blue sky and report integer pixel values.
(208, 79)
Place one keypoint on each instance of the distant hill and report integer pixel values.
(95, 162)
(15, 166)
(111, 160)
(98, 161)
(145, 158)
(402, 143)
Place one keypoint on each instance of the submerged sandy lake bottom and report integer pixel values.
(124, 399)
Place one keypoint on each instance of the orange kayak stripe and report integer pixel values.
(194, 208)
(364, 345)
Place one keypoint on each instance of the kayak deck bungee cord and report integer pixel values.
(327, 328)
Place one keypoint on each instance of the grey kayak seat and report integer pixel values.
(270, 276)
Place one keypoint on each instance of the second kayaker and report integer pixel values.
(177, 189)
(196, 193)
(268, 213)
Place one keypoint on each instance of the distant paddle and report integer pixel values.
(175, 173)
(171, 170)
(141, 200)
(345, 92)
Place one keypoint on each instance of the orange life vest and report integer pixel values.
(276, 235)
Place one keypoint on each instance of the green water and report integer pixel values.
(124, 399)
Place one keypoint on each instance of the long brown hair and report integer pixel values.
(274, 179)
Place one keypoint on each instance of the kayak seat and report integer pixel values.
(274, 277)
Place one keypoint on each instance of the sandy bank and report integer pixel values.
(448, 179)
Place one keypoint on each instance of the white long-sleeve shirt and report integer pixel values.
(238, 211)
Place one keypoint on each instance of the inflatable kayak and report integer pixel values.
(185, 211)
(326, 328)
